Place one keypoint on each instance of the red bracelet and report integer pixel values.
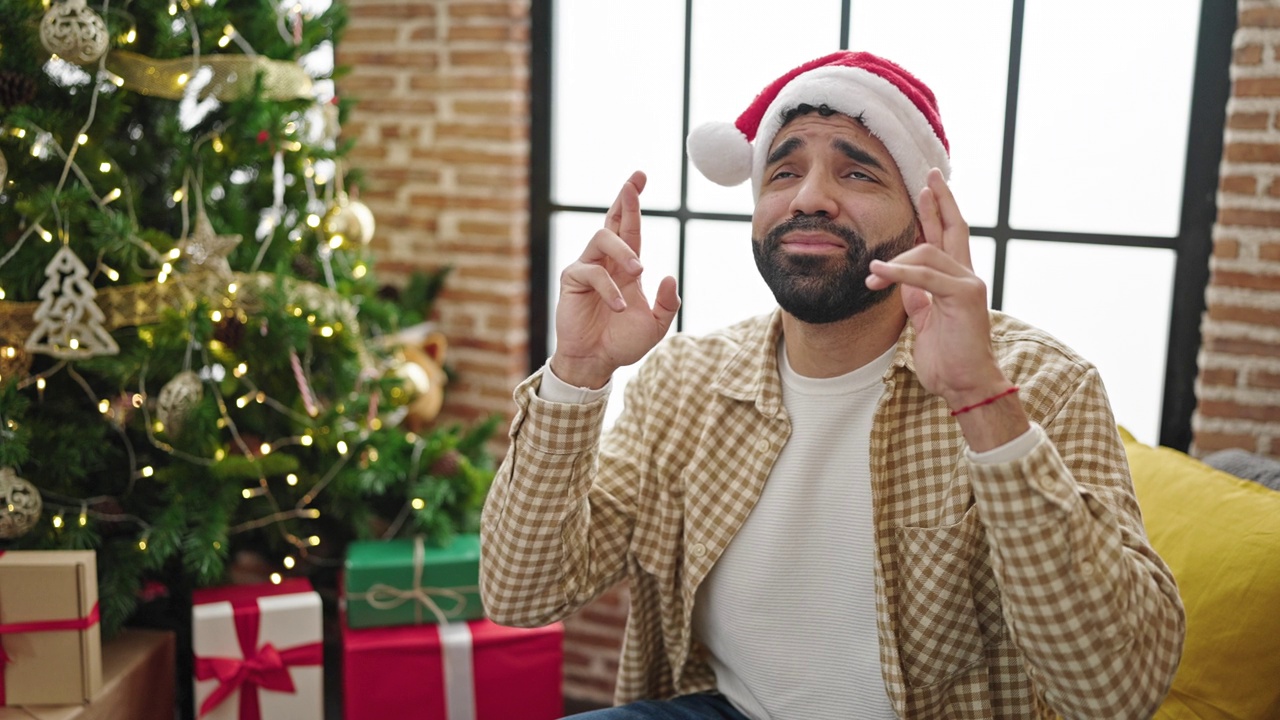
(988, 401)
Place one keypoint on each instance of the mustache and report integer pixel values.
(813, 222)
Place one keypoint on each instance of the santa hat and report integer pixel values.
(891, 103)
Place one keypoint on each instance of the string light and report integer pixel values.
(40, 383)
(292, 479)
(1, 293)
(276, 579)
(84, 517)
(231, 289)
(228, 33)
(111, 272)
(314, 540)
(112, 196)
(74, 343)
(44, 234)
(289, 562)
(243, 401)
(418, 503)
(182, 79)
(217, 144)
(142, 543)
(265, 448)
(105, 167)
(326, 331)
(57, 521)
(18, 132)
(359, 271)
(157, 427)
(104, 406)
(216, 316)
(178, 195)
(342, 447)
(240, 370)
(175, 253)
(173, 8)
(306, 440)
(131, 36)
(313, 220)
(81, 139)
(336, 241)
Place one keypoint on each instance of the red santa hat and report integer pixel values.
(892, 103)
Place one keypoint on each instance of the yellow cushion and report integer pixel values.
(1220, 536)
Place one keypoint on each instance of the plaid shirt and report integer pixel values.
(1008, 590)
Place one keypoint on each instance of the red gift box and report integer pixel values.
(259, 651)
(479, 671)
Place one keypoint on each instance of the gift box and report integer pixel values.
(403, 582)
(473, 670)
(50, 646)
(258, 652)
(137, 683)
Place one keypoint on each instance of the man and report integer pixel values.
(881, 500)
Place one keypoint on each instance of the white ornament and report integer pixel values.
(178, 398)
(74, 32)
(68, 321)
(20, 505)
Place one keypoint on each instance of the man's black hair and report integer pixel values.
(805, 108)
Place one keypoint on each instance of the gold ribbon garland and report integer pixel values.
(233, 76)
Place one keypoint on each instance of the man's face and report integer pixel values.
(831, 200)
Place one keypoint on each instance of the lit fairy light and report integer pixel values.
(418, 503)
(289, 562)
(292, 479)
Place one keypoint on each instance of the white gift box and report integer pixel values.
(258, 652)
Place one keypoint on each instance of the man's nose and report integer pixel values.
(816, 195)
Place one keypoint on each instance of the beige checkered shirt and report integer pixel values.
(1003, 591)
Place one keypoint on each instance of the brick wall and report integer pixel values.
(441, 128)
(1238, 389)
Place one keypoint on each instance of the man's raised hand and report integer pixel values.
(603, 320)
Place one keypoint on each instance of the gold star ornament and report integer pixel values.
(207, 249)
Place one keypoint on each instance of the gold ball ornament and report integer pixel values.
(177, 399)
(20, 505)
(74, 32)
(353, 220)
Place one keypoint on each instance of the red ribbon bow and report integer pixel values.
(266, 667)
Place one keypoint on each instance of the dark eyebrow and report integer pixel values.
(857, 154)
(787, 147)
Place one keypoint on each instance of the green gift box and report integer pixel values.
(404, 582)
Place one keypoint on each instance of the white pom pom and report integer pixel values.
(720, 152)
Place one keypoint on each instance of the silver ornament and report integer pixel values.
(20, 505)
(178, 398)
(74, 32)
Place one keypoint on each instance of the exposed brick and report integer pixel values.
(1248, 120)
(1249, 315)
(478, 131)
(1246, 280)
(1226, 249)
(1238, 346)
(1221, 377)
(491, 108)
(1273, 188)
(1238, 410)
(1207, 441)
(490, 59)
(1260, 17)
(442, 82)
(497, 10)
(1239, 184)
(1263, 379)
(416, 60)
(1269, 251)
(378, 11)
(1251, 218)
(496, 33)
(1252, 152)
(1247, 55)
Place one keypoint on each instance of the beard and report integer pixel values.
(819, 289)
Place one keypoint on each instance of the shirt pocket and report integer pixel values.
(947, 600)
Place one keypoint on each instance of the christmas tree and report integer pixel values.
(197, 363)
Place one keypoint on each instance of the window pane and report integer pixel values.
(968, 72)
(1103, 112)
(1112, 305)
(618, 72)
(721, 282)
(726, 78)
(660, 254)
(982, 251)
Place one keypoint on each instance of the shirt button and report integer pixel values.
(763, 446)
(698, 549)
(1086, 568)
(1047, 483)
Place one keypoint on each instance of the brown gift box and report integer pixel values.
(137, 683)
(49, 666)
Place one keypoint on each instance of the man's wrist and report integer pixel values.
(588, 376)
